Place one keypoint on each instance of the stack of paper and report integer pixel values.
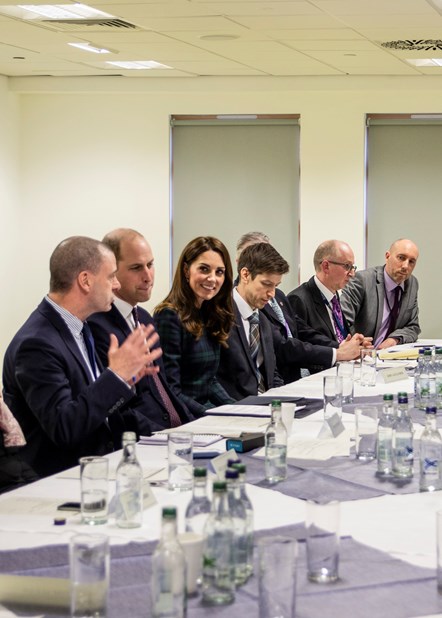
(199, 439)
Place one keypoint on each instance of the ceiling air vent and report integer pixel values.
(88, 25)
(415, 45)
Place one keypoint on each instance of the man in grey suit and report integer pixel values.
(381, 301)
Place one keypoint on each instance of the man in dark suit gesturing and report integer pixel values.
(159, 408)
(66, 403)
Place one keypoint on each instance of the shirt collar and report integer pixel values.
(390, 284)
(123, 307)
(74, 324)
(325, 291)
(244, 308)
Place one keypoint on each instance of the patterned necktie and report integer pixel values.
(338, 320)
(254, 344)
(394, 310)
(280, 315)
(175, 420)
(90, 347)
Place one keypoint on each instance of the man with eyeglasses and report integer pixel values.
(316, 301)
(382, 302)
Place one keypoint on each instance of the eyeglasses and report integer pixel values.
(346, 265)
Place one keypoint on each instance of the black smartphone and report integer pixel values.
(69, 506)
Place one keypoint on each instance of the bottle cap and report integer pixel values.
(428, 352)
(388, 397)
(232, 462)
(240, 467)
(199, 472)
(438, 350)
(276, 402)
(431, 410)
(219, 486)
(129, 436)
(231, 473)
(169, 512)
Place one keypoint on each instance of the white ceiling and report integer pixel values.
(249, 37)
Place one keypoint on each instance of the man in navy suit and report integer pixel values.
(136, 274)
(312, 301)
(67, 405)
(298, 345)
(246, 369)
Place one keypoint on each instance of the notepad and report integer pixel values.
(199, 439)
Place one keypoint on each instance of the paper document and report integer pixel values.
(199, 439)
(315, 448)
(48, 592)
(74, 473)
(226, 426)
(235, 410)
(21, 505)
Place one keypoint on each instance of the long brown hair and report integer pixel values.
(216, 314)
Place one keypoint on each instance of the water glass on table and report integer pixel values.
(288, 415)
(277, 577)
(89, 575)
(345, 370)
(94, 479)
(322, 526)
(192, 545)
(180, 460)
(368, 367)
(366, 427)
(332, 396)
(439, 550)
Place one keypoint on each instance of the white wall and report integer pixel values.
(13, 252)
(95, 155)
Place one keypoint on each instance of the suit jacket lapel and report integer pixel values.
(120, 321)
(242, 337)
(321, 308)
(60, 325)
(380, 295)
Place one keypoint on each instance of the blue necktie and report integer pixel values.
(280, 315)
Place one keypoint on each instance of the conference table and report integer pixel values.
(388, 531)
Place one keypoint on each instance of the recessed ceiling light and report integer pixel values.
(219, 37)
(139, 64)
(91, 48)
(425, 62)
(59, 11)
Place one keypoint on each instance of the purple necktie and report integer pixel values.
(175, 420)
(254, 345)
(394, 311)
(338, 319)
